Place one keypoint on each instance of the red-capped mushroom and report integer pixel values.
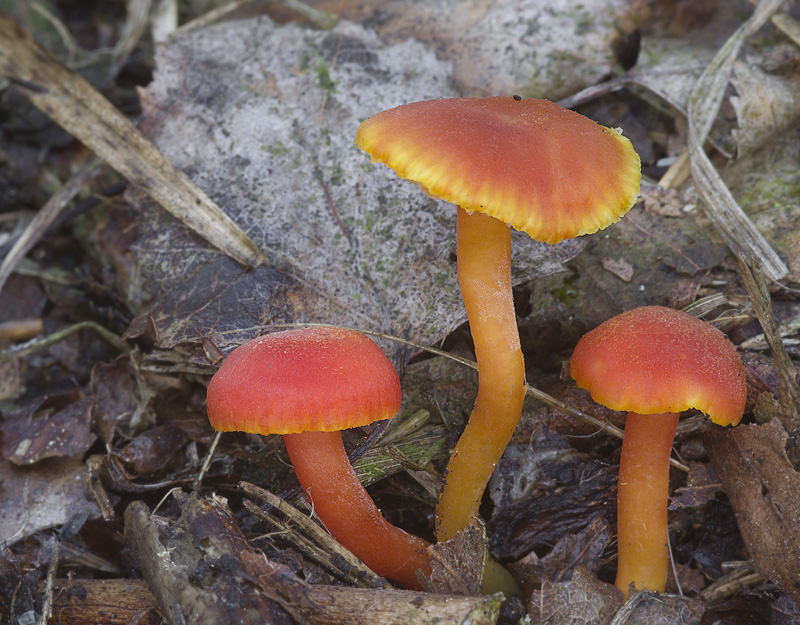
(530, 164)
(309, 384)
(654, 363)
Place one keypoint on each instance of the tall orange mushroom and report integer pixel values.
(505, 161)
(655, 362)
(309, 384)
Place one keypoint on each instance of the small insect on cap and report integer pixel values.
(310, 379)
(543, 169)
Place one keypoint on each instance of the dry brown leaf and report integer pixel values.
(584, 600)
(583, 549)
(558, 493)
(457, 564)
(41, 496)
(762, 486)
(663, 251)
(619, 267)
(48, 429)
(789, 391)
(702, 485)
(785, 611)
(113, 387)
(153, 449)
(663, 202)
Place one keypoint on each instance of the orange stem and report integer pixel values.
(484, 275)
(642, 501)
(348, 512)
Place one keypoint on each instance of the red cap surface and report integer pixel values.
(310, 379)
(545, 170)
(655, 360)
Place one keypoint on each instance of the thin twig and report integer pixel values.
(198, 480)
(355, 571)
(51, 209)
(81, 110)
(37, 344)
(758, 292)
(728, 218)
(47, 601)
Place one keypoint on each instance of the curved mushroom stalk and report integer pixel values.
(542, 169)
(642, 501)
(348, 512)
(484, 275)
(309, 384)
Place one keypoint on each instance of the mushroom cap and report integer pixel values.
(655, 360)
(543, 169)
(310, 379)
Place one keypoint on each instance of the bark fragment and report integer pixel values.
(202, 571)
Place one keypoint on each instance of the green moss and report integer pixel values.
(324, 78)
(276, 149)
(441, 280)
(584, 21)
(567, 294)
(337, 176)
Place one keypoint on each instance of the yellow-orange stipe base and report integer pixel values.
(486, 289)
(642, 501)
(545, 170)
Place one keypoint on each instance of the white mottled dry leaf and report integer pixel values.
(263, 118)
(766, 104)
(540, 49)
(534, 48)
(81, 110)
(670, 67)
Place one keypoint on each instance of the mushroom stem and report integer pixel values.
(642, 501)
(348, 512)
(484, 275)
